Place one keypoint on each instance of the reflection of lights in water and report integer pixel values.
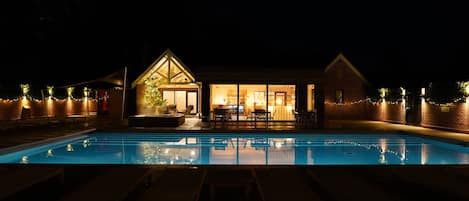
(382, 158)
(160, 153)
(403, 150)
(24, 159)
(278, 145)
(423, 154)
(401, 155)
(289, 139)
(383, 145)
(50, 153)
(69, 147)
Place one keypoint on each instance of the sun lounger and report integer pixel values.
(15, 181)
(239, 182)
(284, 184)
(342, 185)
(433, 180)
(115, 184)
(176, 184)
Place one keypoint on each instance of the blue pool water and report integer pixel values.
(242, 149)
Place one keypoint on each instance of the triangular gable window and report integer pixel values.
(168, 69)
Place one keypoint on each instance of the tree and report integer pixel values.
(153, 96)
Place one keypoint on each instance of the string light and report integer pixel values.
(363, 101)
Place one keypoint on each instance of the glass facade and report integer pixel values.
(253, 98)
(282, 102)
(253, 102)
(224, 97)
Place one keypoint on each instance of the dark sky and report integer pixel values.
(64, 41)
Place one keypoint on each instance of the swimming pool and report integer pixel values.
(242, 149)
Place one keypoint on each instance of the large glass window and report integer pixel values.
(257, 102)
(339, 96)
(224, 97)
(281, 102)
(253, 100)
(311, 97)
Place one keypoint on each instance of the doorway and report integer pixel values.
(185, 101)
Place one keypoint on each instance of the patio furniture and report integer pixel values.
(239, 182)
(16, 181)
(343, 185)
(284, 184)
(189, 109)
(220, 114)
(115, 184)
(176, 184)
(305, 118)
(172, 109)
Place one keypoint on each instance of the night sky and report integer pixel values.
(65, 41)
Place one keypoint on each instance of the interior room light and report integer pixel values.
(422, 91)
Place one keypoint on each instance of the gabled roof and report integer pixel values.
(342, 58)
(167, 55)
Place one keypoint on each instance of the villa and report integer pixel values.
(278, 95)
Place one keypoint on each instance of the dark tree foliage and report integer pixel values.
(373, 93)
(444, 92)
(394, 94)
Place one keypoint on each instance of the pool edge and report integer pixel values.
(20, 147)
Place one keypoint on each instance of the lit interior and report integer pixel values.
(253, 100)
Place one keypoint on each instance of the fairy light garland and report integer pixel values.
(366, 100)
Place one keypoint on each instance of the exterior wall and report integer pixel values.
(11, 110)
(453, 117)
(115, 103)
(340, 76)
(394, 113)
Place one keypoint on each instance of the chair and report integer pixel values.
(344, 184)
(219, 114)
(260, 114)
(15, 181)
(239, 182)
(115, 184)
(283, 184)
(172, 109)
(176, 184)
(189, 108)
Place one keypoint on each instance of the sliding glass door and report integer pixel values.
(184, 100)
(254, 102)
